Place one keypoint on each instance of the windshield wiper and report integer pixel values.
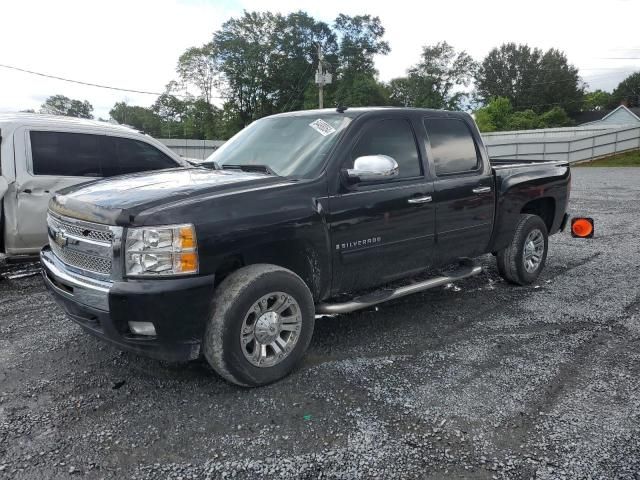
(250, 168)
(214, 165)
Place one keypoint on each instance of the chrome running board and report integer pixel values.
(385, 295)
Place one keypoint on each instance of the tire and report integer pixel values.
(511, 261)
(247, 301)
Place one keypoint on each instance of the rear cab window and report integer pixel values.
(86, 155)
(453, 149)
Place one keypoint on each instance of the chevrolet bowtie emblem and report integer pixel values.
(61, 238)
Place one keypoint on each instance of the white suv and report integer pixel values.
(40, 154)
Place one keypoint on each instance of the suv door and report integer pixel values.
(377, 235)
(52, 160)
(59, 159)
(463, 197)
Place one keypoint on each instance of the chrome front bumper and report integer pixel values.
(83, 290)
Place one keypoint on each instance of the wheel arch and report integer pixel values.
(297, 255)
(544, 207)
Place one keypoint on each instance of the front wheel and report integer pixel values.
(261, 326)
(523, 260)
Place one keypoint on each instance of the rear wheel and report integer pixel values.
(262, 323)
(523, 260)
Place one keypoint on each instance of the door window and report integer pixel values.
(66, 154)
(136, 156)
(394, 138)
(452, 146)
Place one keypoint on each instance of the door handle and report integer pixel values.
(424, 199)
(481, 190)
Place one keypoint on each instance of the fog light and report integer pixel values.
(143, 328)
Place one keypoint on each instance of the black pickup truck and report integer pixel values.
(304, 213)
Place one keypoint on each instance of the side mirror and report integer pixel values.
(373, 168)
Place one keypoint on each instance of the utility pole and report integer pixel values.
(322, 78)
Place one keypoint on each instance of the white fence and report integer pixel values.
(560, 132)
(192, 149)
(577, 144)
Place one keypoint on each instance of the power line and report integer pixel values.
(89, 84)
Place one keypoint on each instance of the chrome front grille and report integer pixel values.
(77, 230)
(81, 261)
(84, 246)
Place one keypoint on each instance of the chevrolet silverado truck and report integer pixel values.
(300, 214)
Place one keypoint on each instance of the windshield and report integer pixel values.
(290, 146)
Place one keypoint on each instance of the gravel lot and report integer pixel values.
(478, 380)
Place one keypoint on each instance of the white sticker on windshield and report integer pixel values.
(322, 127)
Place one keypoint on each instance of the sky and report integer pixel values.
(135, 44)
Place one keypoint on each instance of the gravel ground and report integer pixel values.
(478, 380)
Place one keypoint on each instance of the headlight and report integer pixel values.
(167, 250)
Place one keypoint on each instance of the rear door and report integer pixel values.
(377, 234)
(463, 197)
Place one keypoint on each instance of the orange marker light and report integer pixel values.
(582, 227)
(187, 238)
(186, 262)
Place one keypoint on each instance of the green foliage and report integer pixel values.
(556, 117)
(523, 120)
(498, 115)
(436, 80)
(361, 90)
(61, 105)
(530, 78)
(495, 116)
(597, 100)
(140, 118)
(627, 91)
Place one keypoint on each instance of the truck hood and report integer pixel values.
(117, 200)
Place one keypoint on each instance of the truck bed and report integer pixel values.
(508, 163)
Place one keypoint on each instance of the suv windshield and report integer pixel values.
(290, 146)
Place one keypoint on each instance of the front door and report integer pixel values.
(378, 233)
(53, 161)
(463, 197)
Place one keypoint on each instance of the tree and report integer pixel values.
(197, 66)
(596, 100)
(297, 58)
(627, 91)
(140, 118)
(557, 84)
(530, 79)
(61, 105)
(436, 81)
(267, 61)
(360, 39)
